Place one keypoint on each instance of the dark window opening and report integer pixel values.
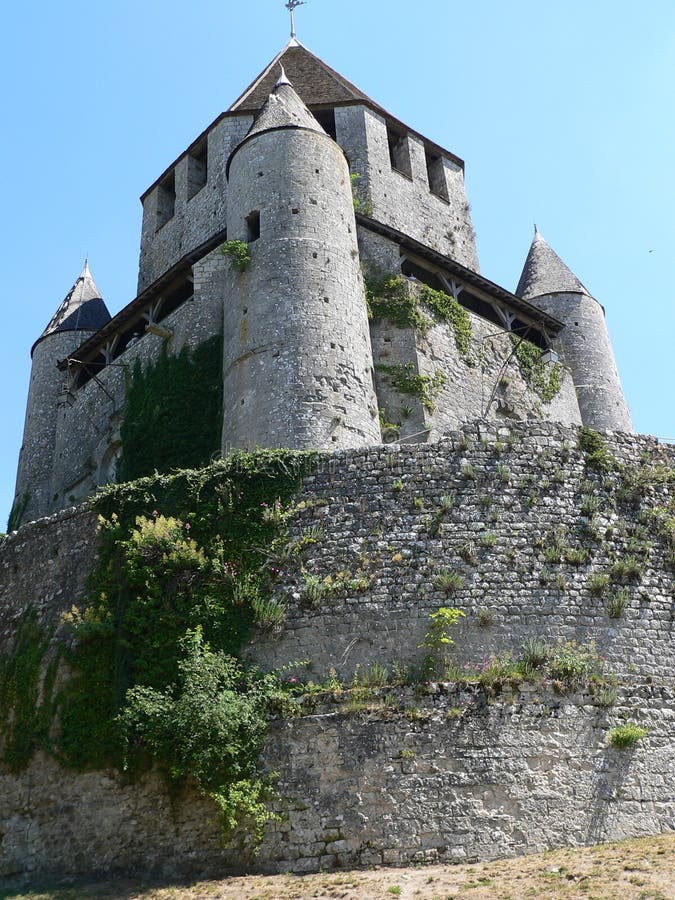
(197, 169)
(326, 119)
(436, 174)
(399, 151)
(253, 226)
(166, 200)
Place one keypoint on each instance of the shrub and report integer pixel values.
(598, 583)
(449, 582)
(239, 253)
(629, 568)
(438, 638)
(598, 457)
(618, 602)
(533, 654)
(627, 735)
(572, 664)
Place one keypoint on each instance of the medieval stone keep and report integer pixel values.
(462, 596)
(322, 187)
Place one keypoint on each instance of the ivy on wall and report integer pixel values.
(173, 412)
(405, 380)
(544, 379)
(26, 693)
(391, 297)
(185, 572)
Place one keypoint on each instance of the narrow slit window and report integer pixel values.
(166, 200)
(399, 151)
(197, 169)
(253, 226)
(436, 173)
(326, 119)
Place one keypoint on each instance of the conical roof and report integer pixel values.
(82, 309)
(283, 109)
(545, 273)
(312, 78)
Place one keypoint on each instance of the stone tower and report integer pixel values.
(583, 343)
(81, 314)
(297, 354)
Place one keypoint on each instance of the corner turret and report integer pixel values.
(297, 355)
(584, 345)
(81, 313)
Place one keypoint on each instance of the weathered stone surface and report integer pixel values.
(443, 774)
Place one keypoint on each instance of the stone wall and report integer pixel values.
(196, 218)
(428, 773)
(402, 197)
(443, 777)
(88, 442)
(508, 491)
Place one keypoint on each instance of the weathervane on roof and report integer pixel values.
(290, 6)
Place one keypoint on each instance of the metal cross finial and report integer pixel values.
(290, 6)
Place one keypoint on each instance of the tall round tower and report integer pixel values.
(583, 343)
(81, 313)
(297, 356)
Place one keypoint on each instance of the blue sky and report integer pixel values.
(563, 113)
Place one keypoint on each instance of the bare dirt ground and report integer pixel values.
(642, 869)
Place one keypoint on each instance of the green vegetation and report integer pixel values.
(438, 639)
(449, 582)
(627, 735)
(173, 412)
(390, 297)
(405, 380)
(26, 697)
(239, 252)
(186, 568)
(546, 380)
(393, 298)
(617, 603)
(598, 457)
(17, 511)
(446, 309)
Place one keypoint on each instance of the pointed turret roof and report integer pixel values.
(283, 109)
(313, 79)
(82, 309)
(545, 273)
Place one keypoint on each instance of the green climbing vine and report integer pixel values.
(173, 412)
(544, 379)
(405, 380)
(446, 309)
(186, 569)
(390, 297)
(393, 298)
(26, 693)
(18, 509)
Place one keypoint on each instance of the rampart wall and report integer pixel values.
(435, 772)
